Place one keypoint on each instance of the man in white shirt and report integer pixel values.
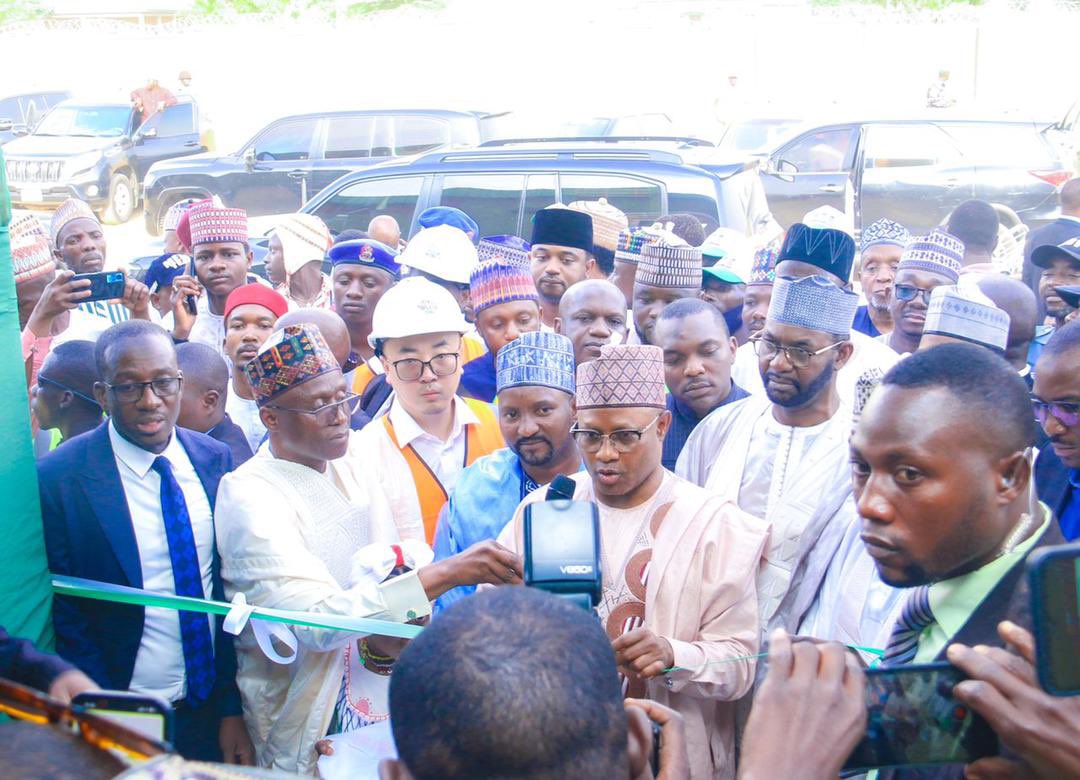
(784, 459)
(131, 503)
(417, 450)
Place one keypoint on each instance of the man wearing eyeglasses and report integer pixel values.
(679, 600)
(927, 262)
(289, 523)
(784, 458)
(1056, 396)
(418, 449)
(131, 503)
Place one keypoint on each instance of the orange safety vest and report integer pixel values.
(480, 440)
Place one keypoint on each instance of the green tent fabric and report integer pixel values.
(25, 594)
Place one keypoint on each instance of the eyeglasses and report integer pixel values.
(327, 415)
(623, 440)
(411, 369)
(1066, 414)
(907, 292)
(46, 381)
(797, 356)
(163, 387)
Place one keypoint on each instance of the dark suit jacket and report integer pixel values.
(1009, 600)
(1052, 481)
(1054, 233)
(22, 662)
(232, 436)
(88, 533)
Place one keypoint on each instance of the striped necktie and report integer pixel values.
(913, 620)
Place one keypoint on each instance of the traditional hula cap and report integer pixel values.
(885, 232)
(68, 211)
(366, 251)
(512, 248)
(829, 249)
(607, 221)
(631, 243)
(763, 271)
(31, 255)
(259, 294)
(176, 210)
(813, 302)
(731, 256)
(500, 281)
(623, 375)
(965, 313)
(415, 306)
(938, 253)
(164, 269)
(829, 217)
(557, 225)
(1070, 293)
(448, 215)
(290, 357)
(211, 224)
(536, 358)
(183, 224)
(670, 262)
(304, 239)
(1044, 255)
(443, 251)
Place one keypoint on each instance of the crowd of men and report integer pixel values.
(771, 455)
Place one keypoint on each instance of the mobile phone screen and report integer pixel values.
(915, 720)
(149, 724)
(1057, 623)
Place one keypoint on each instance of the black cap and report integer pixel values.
(829, 249)
(1070, 293)
(563, 227)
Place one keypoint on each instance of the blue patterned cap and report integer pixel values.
(885, 232)
(813, 302)
(536, 358)
(966, 313)
(829, 249)
(366, 251)
(512, 248)
(938, 253)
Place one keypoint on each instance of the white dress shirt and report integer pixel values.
(445, 458)
(159, 663)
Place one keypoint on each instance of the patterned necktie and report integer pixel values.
(913, 620)
(187, 579)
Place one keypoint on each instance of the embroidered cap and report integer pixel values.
(623, 375)
(69, 211)
(938, 253)
(829, 249)
(607, 221)
(304, 239)
(963, 312)
(630, 244)
(763, 271)
(176, 210)
(813, 302)
(536, 358)
(211, 224)
(885, 232)
(508, 247)
(290, 357)
(670, 262)
(31, 255)
(500, 281)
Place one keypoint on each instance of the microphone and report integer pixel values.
(561, 488)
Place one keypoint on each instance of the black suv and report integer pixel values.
(502, 184)
(19, 114)
(98, 152)
(293, 158)
(914, 171)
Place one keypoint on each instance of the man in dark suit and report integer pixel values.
(942, 482)
(1057, 408)
(131, 503)
(1064, 227)
(202, 402)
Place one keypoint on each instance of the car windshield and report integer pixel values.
(88, 121)
(759, 135)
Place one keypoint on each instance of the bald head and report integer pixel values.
(588, 291)
(1070, 197)
(333, 329)
(1018, 301)
(592, 313)
(203, 367)
(385, 228)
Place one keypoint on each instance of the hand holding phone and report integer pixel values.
(104, 285)
(62, 294)
(185, 288)
(150, 716)
(1054, 575)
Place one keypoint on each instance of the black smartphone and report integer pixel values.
(150, 716)
(104, 285)
(190, 303)
(914, 720)
(1054, 574)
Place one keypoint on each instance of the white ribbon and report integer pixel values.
(240, 615)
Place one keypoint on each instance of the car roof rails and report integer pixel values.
(606, 139)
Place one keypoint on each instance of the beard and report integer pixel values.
(536, 456)
(803, 395)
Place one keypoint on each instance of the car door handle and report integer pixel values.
(831, 188)
(298, 174)
(191, 143)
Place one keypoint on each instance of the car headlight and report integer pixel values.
(81, 162)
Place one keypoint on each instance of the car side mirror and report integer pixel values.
(20, 129)
(782, 169)
(249, 157)
(150, 132)
(6, 125)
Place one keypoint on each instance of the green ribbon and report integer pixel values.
(872, 650)
(122, 594)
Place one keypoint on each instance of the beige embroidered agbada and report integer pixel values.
(700, 596)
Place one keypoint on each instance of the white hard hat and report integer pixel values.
(736, 255)
(441, 251)
(415, 306)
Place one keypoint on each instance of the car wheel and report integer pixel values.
(121, 203)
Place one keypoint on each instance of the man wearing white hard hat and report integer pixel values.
(445, 255)
(417, 450)
(727, 257)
